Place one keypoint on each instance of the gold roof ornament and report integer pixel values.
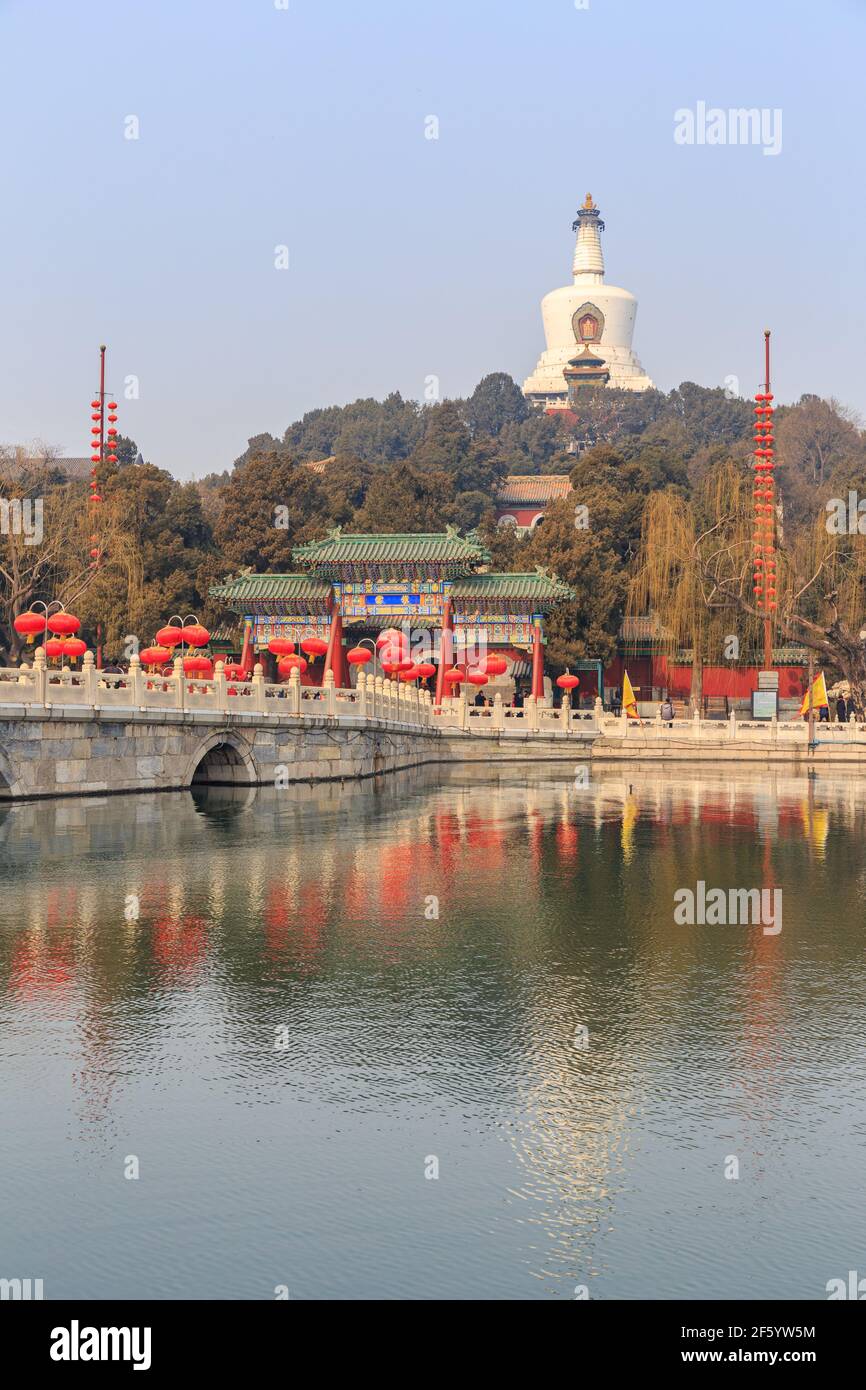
(589, 203)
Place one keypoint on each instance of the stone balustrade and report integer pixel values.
(373, 699)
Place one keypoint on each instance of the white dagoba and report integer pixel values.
(586, 313)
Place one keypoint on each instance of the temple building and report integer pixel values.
(588, 327)
(521, 498)
(352, 587)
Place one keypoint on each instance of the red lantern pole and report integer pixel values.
(764, 576)
(102, 402)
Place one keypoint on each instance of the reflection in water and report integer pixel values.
(284, 1002)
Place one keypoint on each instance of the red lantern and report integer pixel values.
(112, 405)
(169, 636)
(281, 646)
(477, 678)
(195, 635)
(95, 497)
(235, 672)
(391, 636)
(454, 676)
(96, 405)
(314, 646)
(53, 648)
(391, 668)
(359, 656)
(28, 624)
(426, 669)
(410, 674)
(64, 624)
(568, 681)
(154, 656)
(197, 666)
(290, 664)
(494, 665)
(73, 647)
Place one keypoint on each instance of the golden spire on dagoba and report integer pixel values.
(589, 203)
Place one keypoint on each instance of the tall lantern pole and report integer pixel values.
(764, 493)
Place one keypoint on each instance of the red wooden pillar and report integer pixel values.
(247, 661)
(446, 649)
(538, 662)
(334, 659)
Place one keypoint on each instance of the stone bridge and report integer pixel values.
(86, 732)
(80, 732)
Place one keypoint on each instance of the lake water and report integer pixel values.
(438, 1035)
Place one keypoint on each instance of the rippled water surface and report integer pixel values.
(292, 1008)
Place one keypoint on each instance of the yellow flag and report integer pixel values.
(629, 703)
(819, 694)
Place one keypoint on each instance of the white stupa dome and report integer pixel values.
(586, 312)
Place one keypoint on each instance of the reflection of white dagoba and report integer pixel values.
(586, 313)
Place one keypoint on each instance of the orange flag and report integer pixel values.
(629, 703)
(819, 694)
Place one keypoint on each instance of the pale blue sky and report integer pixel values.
(409, 257)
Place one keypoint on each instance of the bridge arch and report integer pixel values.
(222, 759)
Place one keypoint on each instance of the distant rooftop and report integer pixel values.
(528, 488)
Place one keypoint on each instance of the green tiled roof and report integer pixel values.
(401, 549)
(538, 588)
(242, 594)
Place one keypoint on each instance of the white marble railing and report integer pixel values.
(716, 731)
(459, 715)
(373, 699)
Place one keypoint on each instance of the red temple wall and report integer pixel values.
(737, 682)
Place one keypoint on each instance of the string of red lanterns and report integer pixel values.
(100, 453)
(763, 493)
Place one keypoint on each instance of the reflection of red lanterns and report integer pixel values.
(358, 656)
(169, 636)
(28, 624)
(568, 681)
(197, 666)
(195, 635)
(477, 677)
(288, 664)
(314, 646)
(234, 671)
(63, 624)
(281, 646)
(154, 656)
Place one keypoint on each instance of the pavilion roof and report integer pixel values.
(538, 588)
(242, 593)
(392, 551)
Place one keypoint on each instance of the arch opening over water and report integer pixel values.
(224, 764)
